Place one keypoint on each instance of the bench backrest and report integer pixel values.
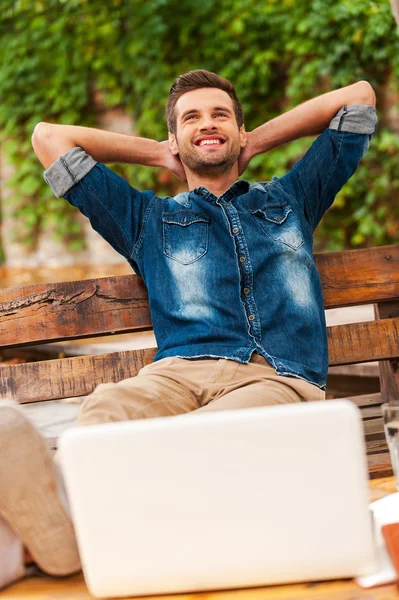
(46, 313)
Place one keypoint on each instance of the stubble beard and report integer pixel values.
(214, 164)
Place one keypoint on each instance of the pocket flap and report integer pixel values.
(185, 217)
(275, 213)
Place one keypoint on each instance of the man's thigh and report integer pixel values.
(156, 391)
(260, 393)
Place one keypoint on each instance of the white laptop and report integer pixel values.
(220, 500)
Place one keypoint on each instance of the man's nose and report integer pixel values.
(207, 124)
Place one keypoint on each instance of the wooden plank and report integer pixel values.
(94, 307)
(365, 400)
(359, 276)
(74, 588)
(363, 342)
(72, 310)
(374, 429)
(78, 376)
(69, 377)
(377, 446)
(379, 465)
(371, 412)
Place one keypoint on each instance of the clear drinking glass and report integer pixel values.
(390, 414)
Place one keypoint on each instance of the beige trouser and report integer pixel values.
(175, 386)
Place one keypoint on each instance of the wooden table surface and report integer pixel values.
(74, 588)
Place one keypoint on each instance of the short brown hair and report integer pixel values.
(194, 80)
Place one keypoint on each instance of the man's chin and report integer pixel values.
(211, 165)
(204, 169)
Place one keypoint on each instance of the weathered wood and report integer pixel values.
(72, 310)
(379, 465)
(359, 276)
(366, 400)
(371, 412)
(363, 342)
(68, 377)
(389, 369)
(377, 446)
(78, 376)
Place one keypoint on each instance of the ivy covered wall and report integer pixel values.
(58, 57)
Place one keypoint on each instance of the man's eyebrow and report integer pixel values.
(196, 110)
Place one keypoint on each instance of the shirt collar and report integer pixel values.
(239, 187)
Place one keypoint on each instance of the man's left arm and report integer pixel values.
(347, 120)
(306, 119)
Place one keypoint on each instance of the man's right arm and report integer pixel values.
(50, 141)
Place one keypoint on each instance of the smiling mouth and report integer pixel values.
(210, 142)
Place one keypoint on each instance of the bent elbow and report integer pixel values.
(41, 134)
(366, 93)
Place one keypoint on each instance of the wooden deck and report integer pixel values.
(74, 588)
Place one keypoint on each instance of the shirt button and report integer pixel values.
(251, 317)
(277, 218)
(235, 230)
(242, 258)
(246, 290)
(228, 205)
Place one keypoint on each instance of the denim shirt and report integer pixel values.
(229, 275)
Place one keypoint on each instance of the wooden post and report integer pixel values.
(389, 369)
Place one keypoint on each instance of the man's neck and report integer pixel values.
(217, 184)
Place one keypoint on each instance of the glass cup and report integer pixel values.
(390, 415)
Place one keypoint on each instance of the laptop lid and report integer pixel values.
(221, 499)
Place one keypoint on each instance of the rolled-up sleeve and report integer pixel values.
(315, 179)
(355, 118)
(68, 170)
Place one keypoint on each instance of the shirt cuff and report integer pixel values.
(68, 170)
(355, 118)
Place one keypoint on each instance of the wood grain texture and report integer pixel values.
(72, 310)
(359, 276)
(78, 376)
(363, 342)
(379, 465)
(94, 307)
(69, 377)
(389, 369)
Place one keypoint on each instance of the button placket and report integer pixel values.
(245, 270)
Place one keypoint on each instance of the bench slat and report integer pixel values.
(363, 342)
(73, 310)
(379, 465)
(362, 276)
(69, 377)
(78, 376)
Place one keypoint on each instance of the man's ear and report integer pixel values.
(243, 136)
(173, 144)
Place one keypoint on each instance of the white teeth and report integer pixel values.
(203, 142)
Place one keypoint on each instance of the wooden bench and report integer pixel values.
(43, 313)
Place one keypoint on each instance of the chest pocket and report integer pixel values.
(280, 223)
(185, 235)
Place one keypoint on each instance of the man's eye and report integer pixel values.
(191, 117)
(220, 115)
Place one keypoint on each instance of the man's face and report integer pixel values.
(208, 139)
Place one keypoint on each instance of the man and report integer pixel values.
(235, 297)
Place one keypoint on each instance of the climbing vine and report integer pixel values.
(56, 56)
